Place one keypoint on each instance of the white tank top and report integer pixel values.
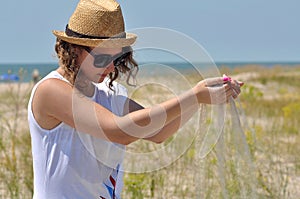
(68, 164)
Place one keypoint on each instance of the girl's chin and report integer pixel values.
(100, 80)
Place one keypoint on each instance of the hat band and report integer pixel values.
(72, 33)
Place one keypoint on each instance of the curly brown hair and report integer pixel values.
(67, 56)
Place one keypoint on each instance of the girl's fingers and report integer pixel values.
(231, 91)
(240, 83)
(221, 93)
(237, 87)
(217, 94)
(215, 81)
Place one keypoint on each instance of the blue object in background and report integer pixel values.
(9, 77)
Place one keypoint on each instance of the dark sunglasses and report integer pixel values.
(103, 60)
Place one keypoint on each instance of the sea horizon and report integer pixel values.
(45, 67)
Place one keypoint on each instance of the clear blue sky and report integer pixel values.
(231, 30)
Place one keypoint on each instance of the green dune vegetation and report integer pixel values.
(261, 160)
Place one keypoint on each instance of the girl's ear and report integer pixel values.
(78, 55)
(78, 50)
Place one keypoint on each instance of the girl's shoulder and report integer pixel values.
(51, 99)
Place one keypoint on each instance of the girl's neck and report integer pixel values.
(86, 87)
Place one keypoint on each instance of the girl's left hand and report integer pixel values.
(235, 85)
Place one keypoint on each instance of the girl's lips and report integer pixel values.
(102, 75)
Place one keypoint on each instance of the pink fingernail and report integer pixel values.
(225, 79)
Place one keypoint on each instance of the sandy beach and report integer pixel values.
(269, 100)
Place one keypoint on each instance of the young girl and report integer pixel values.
(81, 119)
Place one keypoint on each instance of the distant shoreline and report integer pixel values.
(24, 70)
(165, 62)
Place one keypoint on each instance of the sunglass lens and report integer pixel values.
(101, 61)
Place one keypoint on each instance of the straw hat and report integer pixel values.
(97, 23)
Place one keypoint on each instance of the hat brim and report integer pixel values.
(104, 43)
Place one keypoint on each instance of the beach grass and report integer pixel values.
(15, 144)
(270, 108)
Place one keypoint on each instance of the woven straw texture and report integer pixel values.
(97, 18)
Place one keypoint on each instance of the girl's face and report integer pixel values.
(92, 62)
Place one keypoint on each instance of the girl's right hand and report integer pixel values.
(217, 90)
